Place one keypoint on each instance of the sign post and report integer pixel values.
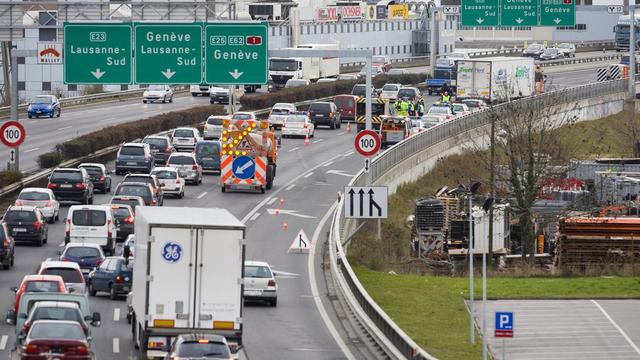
(168, 53)
(97, 53)
(503, 327)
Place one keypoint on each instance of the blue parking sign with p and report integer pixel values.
(504, 324)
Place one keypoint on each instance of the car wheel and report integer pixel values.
(29, 116)
(274, 302)
(57, 216)
(92, 290)
(200, 180)
(339, 124)
(164, 99)
(144, 101)
(171, 99)
(51, 115)
(13, 258)
(46, 237)
(224, 188)
(58, 113)
(332, 125)
(51, 220)
(40, 242)
(112, 293)
(211, 101)
(90, 202)
(270, 175)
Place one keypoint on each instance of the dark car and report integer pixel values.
(99, 176)
(132, 201)
(160, 146)
(149, 179)
(43, 105)
(208, 155)
(410, 93)
(124, 219)
(65, 337)
(70, 184)
(199, 346)
(144, 190)
(346, 105)
(134, 157)
(324, 113)
(26, 223)
(62, 311)
(7, 247)
(88, 256)
(534, 50)
(114, 276)
(219, 95)
(552, 54)
(361, 90)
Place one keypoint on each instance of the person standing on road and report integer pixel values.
(445, 88)
(411, 109)
(539, 79)
(446, 98)
(421, 108)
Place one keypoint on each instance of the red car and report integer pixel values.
(55, 339)
(381, 61)
(36, 283)
(346, 105)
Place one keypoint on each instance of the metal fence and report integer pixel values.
(342, 229)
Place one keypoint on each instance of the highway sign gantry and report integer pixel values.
(518, 13)
(365, 202)
(479, 12)
(557, 13)
(236, 53)
(97, 53)
(168, 53)
(12, 134)
(367, 143)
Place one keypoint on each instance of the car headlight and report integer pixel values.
(49, 107)
(146, 93)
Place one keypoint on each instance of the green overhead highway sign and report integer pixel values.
(519, 12)
(168, 53)
(97, 53)
(479, 12)
(236, 53)
(557, 13)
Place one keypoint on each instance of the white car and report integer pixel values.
(172, 183)
(347, 77)
(185, 138)
(43, 199)
(396, 71)
(69, 271)
(326, 80)
(155, 93)
(475, 104)
(298, 125)
(213, 127)
(201, 89)
(442, 110)
(417, 126)
(461, 109)
(279, 113)
(390, 91)
(187, 166)
(431, 120)
(260, 282)
(91, 224)
(291, 83)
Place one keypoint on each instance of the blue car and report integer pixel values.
(208, 155)
(87, 255)
(44, 105)
(114, 276)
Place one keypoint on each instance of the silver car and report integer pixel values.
(172, 183)
(260, 282)
(185, 138)
(213, 127)
(43, 199)
(155, 93)
(187, 166)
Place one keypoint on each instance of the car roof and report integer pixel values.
(195, 337)
(184, 128)
(21, 208)
(162, 168)
(288, 105)
(127, 197)
(59, 264)
(134, 144)
(58, 304)
(321, 102)
(182, 153)
(134, 183)
(67, 169)
(164, 137)
(36, 189)
(83, 244)
(255, 263)
(396, 84)
(92, 164)
(55, 322)
(138, 175)
(45, 277)
(89, 207)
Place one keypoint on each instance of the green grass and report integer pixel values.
(431, 309)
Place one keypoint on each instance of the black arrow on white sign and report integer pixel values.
(13, 155)
(351, 193)
(372, 203)
(361, 192)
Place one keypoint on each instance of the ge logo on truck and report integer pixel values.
(171, 252)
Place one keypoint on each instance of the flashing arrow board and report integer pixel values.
(519, 12)
(168, 53)
(557, 13)
(479, 12)
(236, 53)
(97, 53)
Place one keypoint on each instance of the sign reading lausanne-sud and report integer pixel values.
(479, 12)
(97, 53)
(168, 53)
(518, 12)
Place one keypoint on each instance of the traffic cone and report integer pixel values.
(281, 200)
(277, 211)
(306, 139)
(285, 226)
(349, 127)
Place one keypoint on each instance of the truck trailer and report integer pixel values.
(187, 277)
(495, 79)
(307, 68)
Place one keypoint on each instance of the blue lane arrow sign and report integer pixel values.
(243, 167)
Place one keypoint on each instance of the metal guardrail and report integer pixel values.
(580, 60)
(75, 100)
(357, 297)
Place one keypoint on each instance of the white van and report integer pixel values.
(91, 224)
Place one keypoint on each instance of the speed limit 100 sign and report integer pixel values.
(12, 133)
(367, 142)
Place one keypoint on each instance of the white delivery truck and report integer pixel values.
(307, 68)
(495, 79)
(187, 276)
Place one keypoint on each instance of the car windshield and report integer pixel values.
(33, 195)
(155, 142)
(165, 174)
(42, 286)
(206, 149)
(215, 121)
(408, 93)
(389, 87)
(133, 190)
(551, 51)
(458, 108)
(296, 119)
(20, 215)
(70, 176)
(283, 65)
(89, 217)
(239, 116)
(183, 133)
(56, 313)
(68, 275)
(359, 90)
(344, 102)
(132, 150)
(93, 170)
(439, 110)
(254, 271)
(156, 88)
(319, 107)
(564, 46)
(203, 350)
(82, 252)
(42, 100)
(279, 111)
(120, 212)
(472, 103)
(56, 331)
(533, 47)
(181, 160)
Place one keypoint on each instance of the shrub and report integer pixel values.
(50, 159)
(9, 177)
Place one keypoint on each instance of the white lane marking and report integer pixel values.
(65, 128)
(314, 286)
(328, 163)
(3, 342)
(116, 314)
(624, 334)
(317, 141)
(31, 150)
(283, 273)
(261, 204)
(61, 244)
(116, 345)
(341, 133)
(348, 154)
(290, 187)
(309, 174)
(201, 195)
(294, 149)
(271, 201)
(255, 216)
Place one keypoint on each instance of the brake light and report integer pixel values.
(26, 327)
(64, 259)
(129, 220)
(61, 287)
(99, 261)
(52, 186)
(68, 228)
(49, 203)
(194, 167)
(305, 125)
(81, 186)
(271, 283)
(109, 234)
(156, 344)
(32, 349)
(5, 243)
(203, 341)
(81, 350)
(19, 203)
(119, 279)
(38, 225)
(178, 181)
(330, 114)
(102, 178)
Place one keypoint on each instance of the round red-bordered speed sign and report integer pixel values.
(367, 142)
(12, 133)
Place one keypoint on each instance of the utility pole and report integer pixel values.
(433, 48)
(5, 70)
(632, 53)
(492, 185)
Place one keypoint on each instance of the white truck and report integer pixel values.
(495, 79)
(187, 276)
(308, 68)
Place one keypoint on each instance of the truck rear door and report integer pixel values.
(219, 281)
(171, 290)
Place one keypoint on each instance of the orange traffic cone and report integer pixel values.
(281, 200)
(285, 226)
(277, 211)
(306, 139)
(349, 127)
